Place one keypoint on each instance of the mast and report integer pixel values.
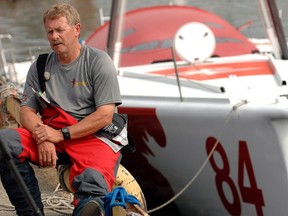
(114, 42)
(274, 28)
(278, 28)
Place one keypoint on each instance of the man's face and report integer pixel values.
(61, 36)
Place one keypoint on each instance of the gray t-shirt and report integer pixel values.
(79, 87)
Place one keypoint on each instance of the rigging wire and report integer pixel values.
(234, 108)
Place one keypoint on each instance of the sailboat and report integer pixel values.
(207, 109)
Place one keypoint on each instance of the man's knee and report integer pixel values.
(10, 142)
(90, 182)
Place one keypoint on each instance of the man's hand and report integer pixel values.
(47, 154)
(44, 133)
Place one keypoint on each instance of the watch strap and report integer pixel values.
(66, 133)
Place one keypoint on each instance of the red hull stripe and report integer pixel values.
(218, 71)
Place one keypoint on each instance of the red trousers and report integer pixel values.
(87, 152)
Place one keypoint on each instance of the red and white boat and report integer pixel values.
(207, 109)
(209, 115)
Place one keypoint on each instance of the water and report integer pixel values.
(23, 18)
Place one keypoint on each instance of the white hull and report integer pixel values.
(252, 132)
(236, 103)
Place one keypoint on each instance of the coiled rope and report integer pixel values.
(58, 201)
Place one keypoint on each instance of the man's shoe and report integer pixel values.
(92, 208)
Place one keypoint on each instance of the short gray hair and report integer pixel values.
(62, 10)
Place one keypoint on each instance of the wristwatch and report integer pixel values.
(66, 133)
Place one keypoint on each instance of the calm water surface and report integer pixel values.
(23, 18)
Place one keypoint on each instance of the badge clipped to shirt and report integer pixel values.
(41, 98)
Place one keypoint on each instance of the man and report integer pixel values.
(82, 92)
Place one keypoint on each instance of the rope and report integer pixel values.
(7, 207)
(8, 89)
(58, 201)
(118, 197)
(234, 108)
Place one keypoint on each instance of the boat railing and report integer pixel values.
(9, 57)
(102, 17)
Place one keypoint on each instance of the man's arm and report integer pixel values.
(29, 118)
(94, 122)
(46, 149)
(89, 125)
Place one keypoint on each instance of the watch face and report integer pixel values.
(66, 133)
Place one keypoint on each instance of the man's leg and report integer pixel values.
(15, 193)
(11, 139)
(92, 174)
(90, 188)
